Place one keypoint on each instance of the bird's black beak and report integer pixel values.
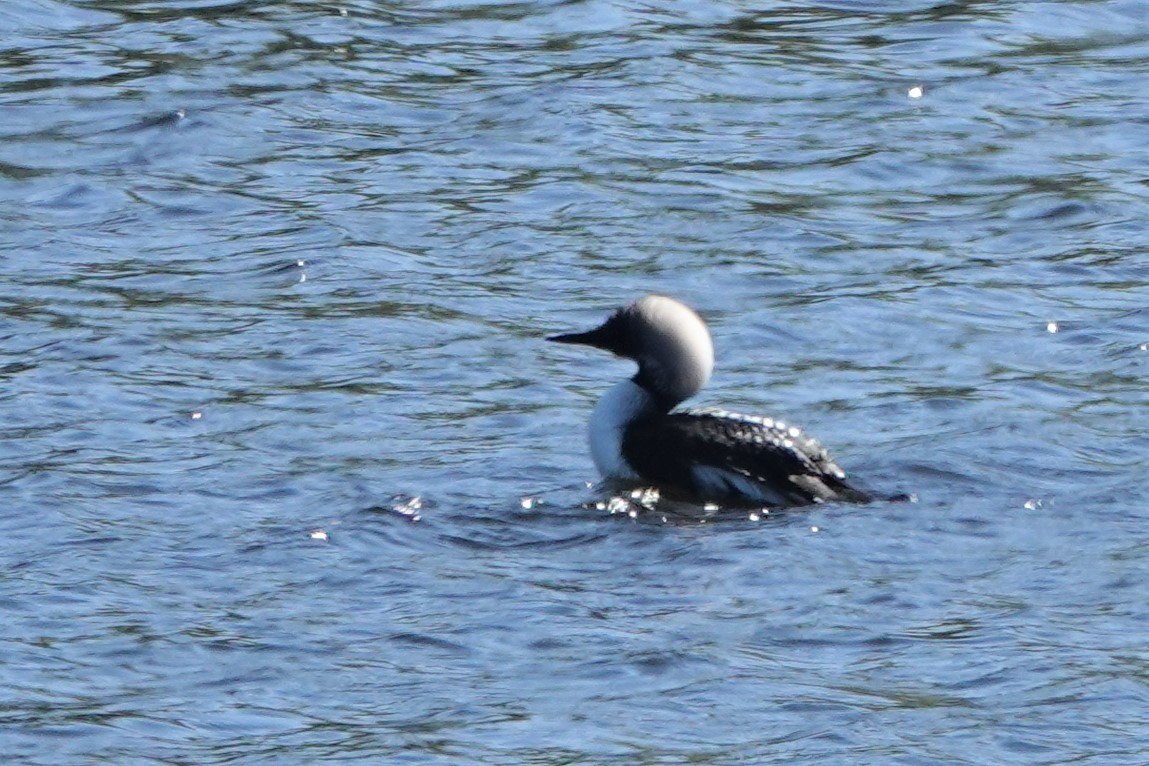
(606, 337)
(581, 338)
(599, 337)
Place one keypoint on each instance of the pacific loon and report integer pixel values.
(708, 454)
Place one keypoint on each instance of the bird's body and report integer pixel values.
(636, 437)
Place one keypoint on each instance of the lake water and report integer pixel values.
(288, 475)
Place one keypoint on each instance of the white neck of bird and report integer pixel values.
(624, 403)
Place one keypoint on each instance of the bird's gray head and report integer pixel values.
(668, 340)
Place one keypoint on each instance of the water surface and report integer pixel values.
(288, 475)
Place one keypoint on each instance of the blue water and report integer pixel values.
(288, 475)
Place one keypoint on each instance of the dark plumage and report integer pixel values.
(667, 448)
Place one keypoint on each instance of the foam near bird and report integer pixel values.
(709, 454)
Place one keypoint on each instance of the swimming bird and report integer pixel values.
(637, 437)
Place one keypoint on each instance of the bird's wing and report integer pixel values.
(708, 450)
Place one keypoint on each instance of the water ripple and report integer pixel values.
(289, 475)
